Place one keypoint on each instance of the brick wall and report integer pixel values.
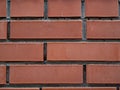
(59, 45)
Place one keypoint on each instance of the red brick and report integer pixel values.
(79, 88)
(19, 89)
(27, 8)
(2, 8)
(21, 52)
(2, 75)
(105, 29)
(84, 51)
(101, 8)
(64, 8)
(46, 74)
(62, 29)
(3, 30)
(103, 74)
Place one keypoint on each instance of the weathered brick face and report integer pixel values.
(59, 44)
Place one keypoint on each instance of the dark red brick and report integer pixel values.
(64, 8)
(21, 51)
(3, 30)
(27, 8)
(63, 29)
(103, 74)
(46, 74)
(3, 8)
(103, 29)
(84, 51)
(79, 88)
(101, 8)
(2, 74)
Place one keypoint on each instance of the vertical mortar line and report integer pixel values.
(40, 88)
(117, 88)
(119, 18)
(7, 73)
(8, 34)
(45, 52)
(45, 43)
(8, 9)
(45, 9)
(84, 38)
(8, 30)
(119, 8)
(8, 20)
(84, 75)
(83, 20)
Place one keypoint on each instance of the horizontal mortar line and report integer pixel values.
(62, 62)
(104, 40)
(66, 18)
(27, 18)
(102, 18)
(42, 18)
(60, 85)
(39, 40)
(3, 19)
(21, 62)
(47, 18)
(84, 62)
(61, 18)
(60, 40)
(103, 85)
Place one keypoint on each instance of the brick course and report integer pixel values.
(59, 44)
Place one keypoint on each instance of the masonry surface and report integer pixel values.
(59, 44)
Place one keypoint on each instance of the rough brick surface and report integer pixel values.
(83, 51)
(103, 29)
(46, 29)
(2, 8)
(46, 74)
(64, 8)
(59, 44)
(19, 88)
(104, 74)
(101, 8)
(21, 52)
(3, 30)
(27, 8)
(80, 88)
(2, 74)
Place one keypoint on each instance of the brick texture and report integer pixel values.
(83, 51)
(101, 8)
(2, 8)
(27, 8)
(105, 29)
(46, 74)
(81, 88)
(59, 44)
(3, 30)
(46, 30)
(2, 74)
(19, 88)
(64, 8)
(21, 52)
(104, 74)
